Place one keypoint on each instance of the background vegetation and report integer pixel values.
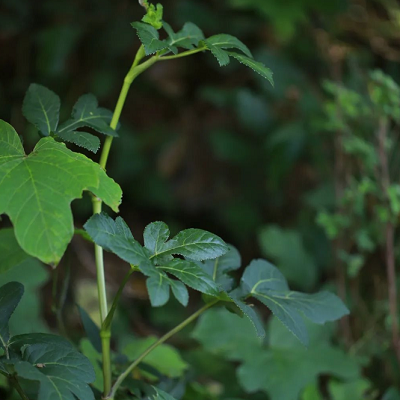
(304, 174)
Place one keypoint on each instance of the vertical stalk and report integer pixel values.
(134, 71)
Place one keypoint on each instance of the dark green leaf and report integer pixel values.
(10, 296)
(11, 253)
(86, 112)
(192, 275)
(221, 55)
(149, 37)
(41, 107)
(256, 66)
(91, 329)
(224, 41)
(180, 292)
(39, 189)
(82, 139)
(187, 38)
(155, 235)
(158, 289)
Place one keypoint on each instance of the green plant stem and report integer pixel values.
(135, 70)
(184, 54)
(164, 338)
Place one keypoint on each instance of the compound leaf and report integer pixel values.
(36, 191)
(10, 295)
(41, 107)
(224, 41)
(86, 112)
(81, 139)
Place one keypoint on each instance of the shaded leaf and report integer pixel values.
(158, 289)
(41, 107)
(11, 253)
(224, 41)
(180, 292)
(91, 329)
(221, 55)
(86, 112)
(82, 139)
(41, 186)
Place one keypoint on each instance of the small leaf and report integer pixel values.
(149, 37)
(195, 244)
(188, 37)
(91, 329)
(154, 16)
(158, 289)
(180, 292)
(224, 41)
(81, 139)
(86, 112)
(256, 66)
(107, 233)
(161, 395)
(10, 295)
(41, 107)
(155, 235)
(221, 55)
(192, 275)
(36, 192)
(11, 254)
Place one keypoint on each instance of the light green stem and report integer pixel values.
(172, 332)
(135, 70)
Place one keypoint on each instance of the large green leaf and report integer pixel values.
(192, 275)
(62, 372)
(11, 253)
(149, 37)
(41, 107)
(10, 295)
(86, 112)
(165, 359)
(265, 283)
(36, 191)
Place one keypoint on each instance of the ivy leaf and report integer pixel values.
(11, 253)
(149, 37)
(86, 112)
(36, 191)
(10, 295)
(192, 275)
(41, 107)
(256, 66)
(188, 37)
(112, 236)
(265, 283)
(224, 41)
(61, 371)
(81, 139)
(158, 289)
(195, 244)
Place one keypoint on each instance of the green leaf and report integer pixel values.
(91, 329)
(61, 371)
(158, 289)
(161, 395)
(87, 113)
(10, 295)
(188, 37)
(180, 292)
(256, 66)
(265, 283)
(149, 37)
(154, 16)
(221, 55)
(41, 107)
(82, 139)
(155, 235)
(112, 236)
(195, 244)
(192, 275)
(224, 41)
(163, 358)
(36, 191)
(11, 253)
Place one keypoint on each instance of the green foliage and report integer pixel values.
(41, 186)
(11, 253)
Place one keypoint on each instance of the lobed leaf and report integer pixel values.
(36, 191)
(41, 107)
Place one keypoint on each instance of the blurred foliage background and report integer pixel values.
(294, 173)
